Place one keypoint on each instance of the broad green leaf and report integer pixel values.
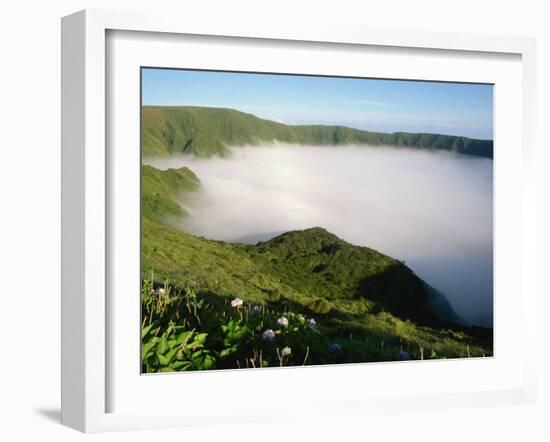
(146, 348)
(193, 346)
(227, 352)
(182, 365)
(208, 362)
(201, 337)
(170, 355)
(184, 336)
(146, 330)
(163, 345)
(166, 359)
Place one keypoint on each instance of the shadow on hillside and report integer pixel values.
(401, 292)
(398, 290)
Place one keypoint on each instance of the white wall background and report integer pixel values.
(30, 215)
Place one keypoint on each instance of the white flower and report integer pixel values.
(282, 322)
(311, 322)
(286, 351)
(301, 318)
(268, 335)
(236, 302)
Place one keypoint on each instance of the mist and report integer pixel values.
(433, 210)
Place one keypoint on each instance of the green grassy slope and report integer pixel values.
(159, 187)
(208, 131)
(368, 302)
(316, 271)
(318, 263)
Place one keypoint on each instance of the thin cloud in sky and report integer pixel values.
(369, 102)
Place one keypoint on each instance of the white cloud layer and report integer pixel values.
(433, 210)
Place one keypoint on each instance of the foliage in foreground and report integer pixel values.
(188, 329)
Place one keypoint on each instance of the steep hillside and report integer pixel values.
(207, 131)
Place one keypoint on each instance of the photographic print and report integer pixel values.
(298, 220)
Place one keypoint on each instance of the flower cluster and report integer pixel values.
(268, 335)
(282, 322)
(286, 351)
(236, 302)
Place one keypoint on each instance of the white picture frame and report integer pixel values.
(86, 315)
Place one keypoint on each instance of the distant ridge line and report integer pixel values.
(207, 131)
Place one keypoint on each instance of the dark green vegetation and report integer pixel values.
(207, 131)
(366, 306)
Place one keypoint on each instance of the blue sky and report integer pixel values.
(370, 104)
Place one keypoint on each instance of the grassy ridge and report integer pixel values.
(204, 131)
(159, 187)
(367, 303)
(317, 276)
